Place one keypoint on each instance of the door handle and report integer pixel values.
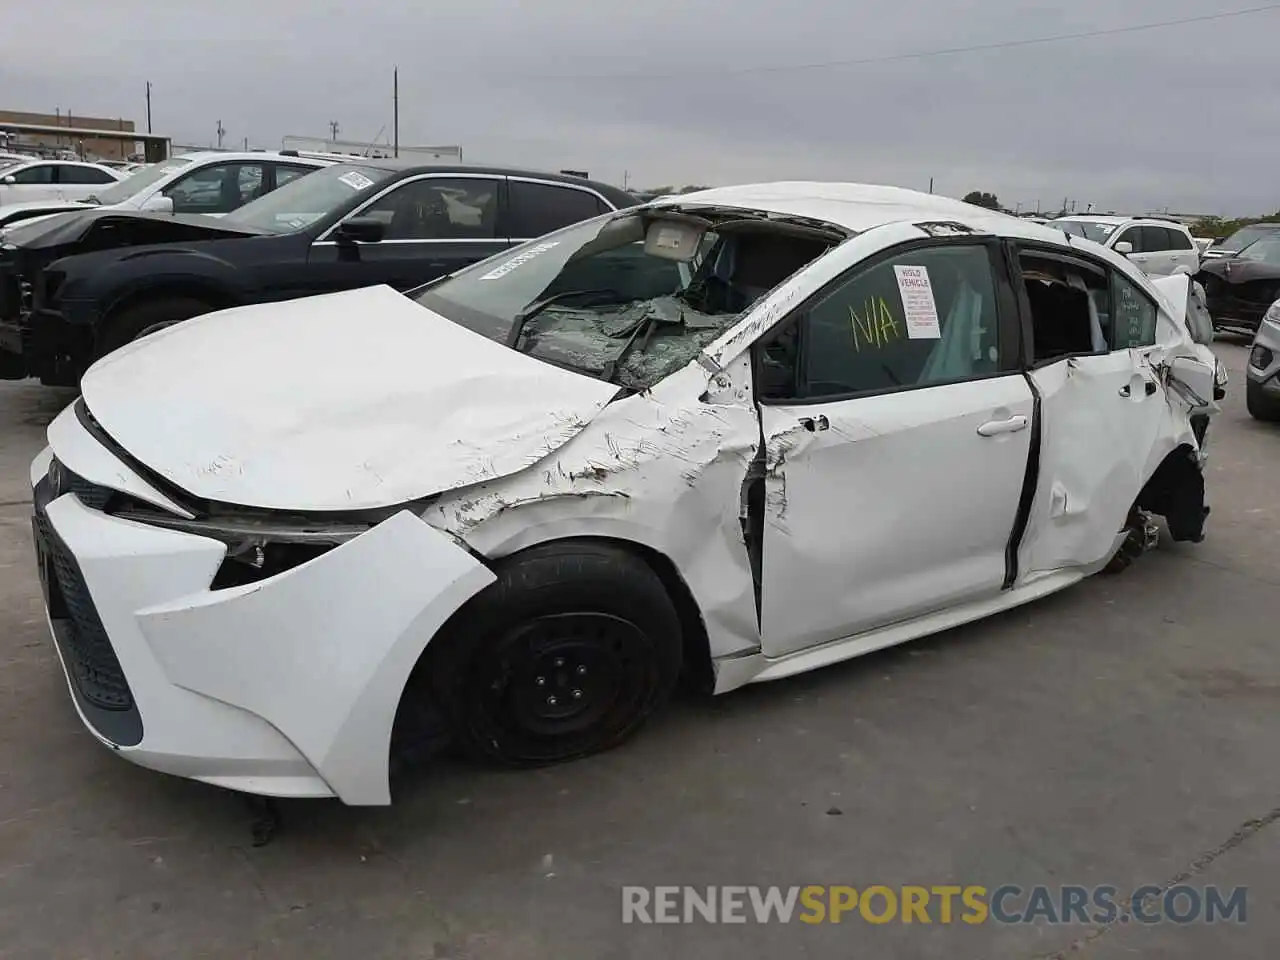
(815, 423)
(993, 428)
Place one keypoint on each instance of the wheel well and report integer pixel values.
(206, 293)
(419, 729)
(1176, 492)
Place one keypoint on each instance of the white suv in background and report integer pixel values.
(1158, 247)
(209, 182)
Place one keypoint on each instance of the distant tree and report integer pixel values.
(981, 198)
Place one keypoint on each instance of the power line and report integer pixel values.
(921, 54)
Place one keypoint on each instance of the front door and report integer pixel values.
(897, 436)
(433, 226)
(1102, 407)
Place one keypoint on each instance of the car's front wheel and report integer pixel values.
(567, 654)
(149, 316)
(1260, 405)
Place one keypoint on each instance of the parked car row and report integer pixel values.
(76, 285)
(737, 434)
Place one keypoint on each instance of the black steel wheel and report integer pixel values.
(567, 654)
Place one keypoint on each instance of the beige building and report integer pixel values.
(88, 146)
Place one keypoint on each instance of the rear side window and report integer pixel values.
(1133, 319)
(1179, 240)
(84, 175)
(538, 208)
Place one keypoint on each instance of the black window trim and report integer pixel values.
(580, 187)
(499, 182)
(1009, 329)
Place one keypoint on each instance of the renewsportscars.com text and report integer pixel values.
(943, 904)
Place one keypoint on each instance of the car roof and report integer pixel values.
(1117, 221)
(858, 207)
(201, 156)
(412, 168)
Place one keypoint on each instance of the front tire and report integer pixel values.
(141, 319)
(1261, 406)
(567, 654)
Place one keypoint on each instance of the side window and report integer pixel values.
(439, 208)
(219, 188)
(286, 173)
(42, 173)
(1134, 320)
(1155, 240)
(538, 208)
(78, 174)
(1178, 240)
(1070, 307)
(923, 317)
(1134, 236)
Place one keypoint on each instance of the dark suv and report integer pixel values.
(349, 225)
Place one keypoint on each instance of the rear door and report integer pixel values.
(76, 181)
(896, 425)
(434, 224)
(1185, 253)
(1101, 405)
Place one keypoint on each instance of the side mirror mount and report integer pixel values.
(360, 230)
(8, 181)
(1124, 248)
(158, 204)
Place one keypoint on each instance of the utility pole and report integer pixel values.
(395, 108)
(222, 132)
(246, 144)
(626, 178)
(333, 130)
(148, 106)
(931, 184)
(1017, 209)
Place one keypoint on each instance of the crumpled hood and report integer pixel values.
(346, 401)
(131, 226)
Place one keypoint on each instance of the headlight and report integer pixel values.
(1273, 314)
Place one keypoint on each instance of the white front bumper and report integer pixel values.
(285, 687)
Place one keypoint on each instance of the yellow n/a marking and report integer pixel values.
(875, 327)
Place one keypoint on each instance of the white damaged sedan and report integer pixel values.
(737, 434)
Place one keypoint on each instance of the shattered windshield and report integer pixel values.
(1094, 230)
(591, 298)
(301, 202)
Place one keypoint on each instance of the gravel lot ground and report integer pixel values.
(1123, 732)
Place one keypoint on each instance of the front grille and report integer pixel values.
(91, 660)
(92, 495)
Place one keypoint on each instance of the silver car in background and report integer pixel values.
(1262, 376)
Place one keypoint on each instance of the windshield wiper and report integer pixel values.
(528, 313)
(646, 326)
(94, 200)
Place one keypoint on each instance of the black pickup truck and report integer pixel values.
(349, 225)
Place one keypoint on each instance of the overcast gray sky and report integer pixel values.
(1177, 117)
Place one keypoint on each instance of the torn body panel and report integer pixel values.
(1106, 426)
(664, 469)
(863, 525)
